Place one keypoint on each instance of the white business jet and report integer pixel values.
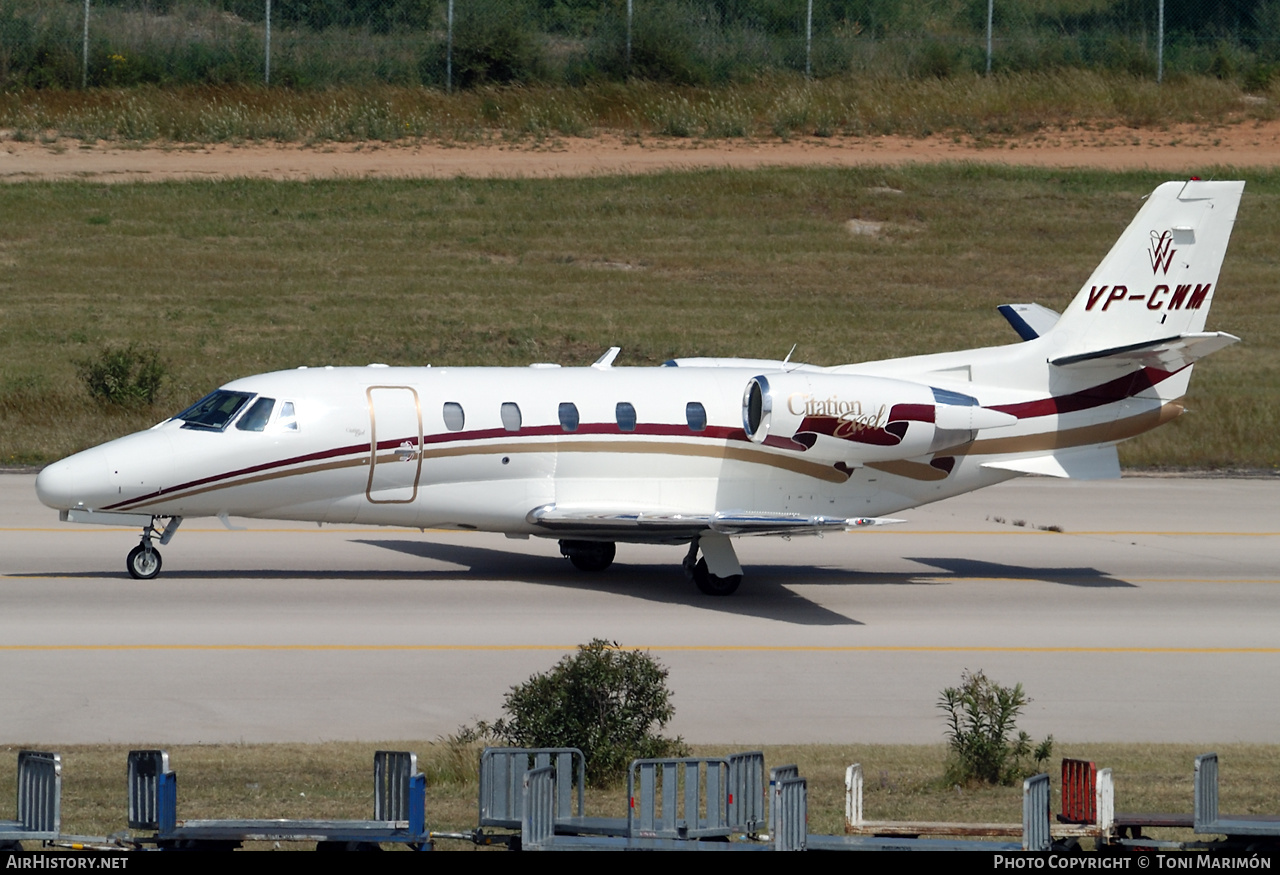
(695, 452)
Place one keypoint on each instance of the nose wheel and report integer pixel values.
(144, 561)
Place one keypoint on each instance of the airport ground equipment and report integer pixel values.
(1034, 831)
(791, 818)
(1087, 806)
(776, 774)
(726, 796)
(39, 800)
(538, 827)
(1239, 832)
(1249, 832)
(399, 811)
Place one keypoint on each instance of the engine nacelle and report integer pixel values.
(858, 419)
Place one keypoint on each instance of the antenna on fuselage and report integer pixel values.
(787, 360)
(606, 360)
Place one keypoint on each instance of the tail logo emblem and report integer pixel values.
(1161, 251)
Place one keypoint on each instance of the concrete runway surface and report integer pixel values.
(1152, 616)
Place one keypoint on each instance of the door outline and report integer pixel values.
(392, 456)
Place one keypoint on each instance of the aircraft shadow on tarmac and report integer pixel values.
(764, 596)
(971, 569)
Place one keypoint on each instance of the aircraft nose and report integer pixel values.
(79, 480)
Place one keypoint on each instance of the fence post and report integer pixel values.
(991, 9)
(266, 64)
(84, 66)
(1160, 46)
(808, 42)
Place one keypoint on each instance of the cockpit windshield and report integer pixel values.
(214, 410)
(258, 415)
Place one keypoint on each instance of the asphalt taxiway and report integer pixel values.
(1154, 614)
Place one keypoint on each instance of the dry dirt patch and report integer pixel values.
(1183, 149)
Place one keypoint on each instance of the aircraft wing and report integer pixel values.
(677, 526)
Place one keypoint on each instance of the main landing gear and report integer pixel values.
(717, 572)
(144, 560)
(589, 555)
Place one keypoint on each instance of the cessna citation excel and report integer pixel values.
(698, 451)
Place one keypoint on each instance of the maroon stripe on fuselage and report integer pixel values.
(1086, 399)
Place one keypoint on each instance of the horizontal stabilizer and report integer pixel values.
(1082, 463)
(602, 521)
(1029, 320)
(1169, 354)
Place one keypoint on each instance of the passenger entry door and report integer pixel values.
(395, 444)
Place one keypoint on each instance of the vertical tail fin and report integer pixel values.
(1157, 282)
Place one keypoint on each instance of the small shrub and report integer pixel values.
(125, 377)
(604, 700)
(981, 716)
(495, 43)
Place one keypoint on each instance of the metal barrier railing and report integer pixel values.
(502, 771)
(678, 798)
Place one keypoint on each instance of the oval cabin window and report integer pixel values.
(568, 416)
(510, 416)
(626, 415)
(454, 418)
(696, 415)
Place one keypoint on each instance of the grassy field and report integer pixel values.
(233, 278)
(777, 105)
(902, 783)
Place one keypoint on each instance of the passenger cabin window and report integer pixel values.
(257, 416)
(214, 411)
(568, 416)
(510, 416)
(696, 415)
(454, 417)
(626, 415)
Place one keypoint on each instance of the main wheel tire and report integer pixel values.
(143, 563)
(589, 555)
(709, 584)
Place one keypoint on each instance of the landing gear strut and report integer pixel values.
(144, 560)
(589, 555)
(719, 549)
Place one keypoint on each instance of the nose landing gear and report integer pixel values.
(144, 560)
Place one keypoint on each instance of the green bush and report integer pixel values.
(981, 718)
(495, 42)
(605, 700)
(125, 377)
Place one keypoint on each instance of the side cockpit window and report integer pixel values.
(257, 416)
(214, 411)
(288, 420)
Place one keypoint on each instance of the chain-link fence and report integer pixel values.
(461, 43)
